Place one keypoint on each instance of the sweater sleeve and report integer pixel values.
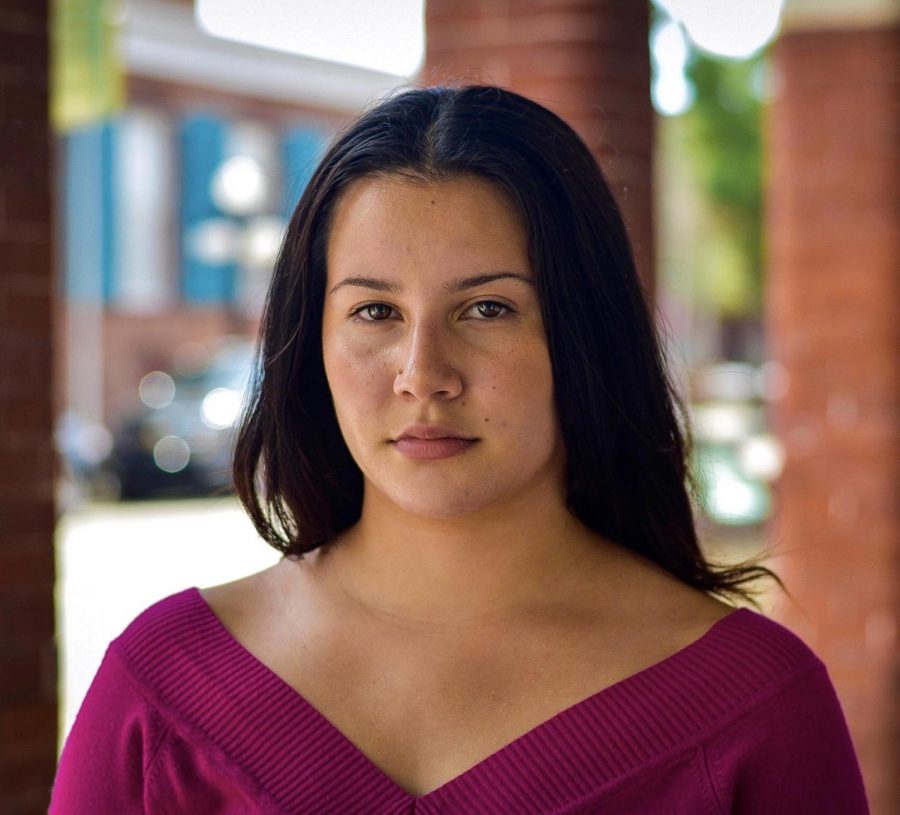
(109, 749)
(789, 753)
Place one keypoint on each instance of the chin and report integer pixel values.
(439, 506)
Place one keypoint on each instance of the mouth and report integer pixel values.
(437, 448)
(431, 433)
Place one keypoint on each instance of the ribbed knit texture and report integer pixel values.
(219, 698)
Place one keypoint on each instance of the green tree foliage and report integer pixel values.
(722, 140)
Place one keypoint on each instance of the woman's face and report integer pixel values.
(433, 278)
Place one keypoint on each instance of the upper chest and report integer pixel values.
(424, 706)
(426, 709)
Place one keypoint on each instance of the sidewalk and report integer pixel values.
(114, 560)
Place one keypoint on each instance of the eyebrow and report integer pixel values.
(454, 286)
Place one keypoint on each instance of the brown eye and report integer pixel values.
(371, 312)
(492, 310)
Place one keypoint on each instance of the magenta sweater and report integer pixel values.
(182, 719)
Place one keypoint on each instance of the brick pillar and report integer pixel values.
(27, 652)
(588, 62)
(833, 320)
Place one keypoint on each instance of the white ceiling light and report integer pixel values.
(728, 28)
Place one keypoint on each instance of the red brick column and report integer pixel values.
(833, 301)
(588, 62)
(27, 650)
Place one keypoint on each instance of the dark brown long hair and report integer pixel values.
(627, 475)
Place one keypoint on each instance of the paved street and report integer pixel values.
(113, 560)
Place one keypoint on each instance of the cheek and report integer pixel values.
(355, 373)
(529, 373)
(519, 391)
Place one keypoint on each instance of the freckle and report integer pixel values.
(486, 419)
(432, 201)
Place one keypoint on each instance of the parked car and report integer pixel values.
(181, 440)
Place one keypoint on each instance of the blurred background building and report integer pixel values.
(751, 146)
(171, 208)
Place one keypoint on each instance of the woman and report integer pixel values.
(492, 599)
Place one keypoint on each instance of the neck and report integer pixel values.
(481, 568)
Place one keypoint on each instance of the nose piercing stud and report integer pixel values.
(400, 372)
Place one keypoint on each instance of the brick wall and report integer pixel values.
(833, 303)
(27, 650)
(588, 62)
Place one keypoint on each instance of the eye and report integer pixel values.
(492, 310)
(370, 310)
(489, 310)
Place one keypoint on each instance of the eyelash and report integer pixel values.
(505, 315)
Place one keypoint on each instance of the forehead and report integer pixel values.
(397, 224)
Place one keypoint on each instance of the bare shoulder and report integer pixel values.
(249, 603)
(237, 593)
(661, 605)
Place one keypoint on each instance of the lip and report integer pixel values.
(432, 431)
(413, 447)
(432, 441)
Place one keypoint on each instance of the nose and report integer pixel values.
(426, 369)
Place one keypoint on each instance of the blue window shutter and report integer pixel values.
(89, 227)
(302, 148)
(202, 149)
(108, 134)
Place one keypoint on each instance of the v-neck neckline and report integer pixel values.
(603, 707)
